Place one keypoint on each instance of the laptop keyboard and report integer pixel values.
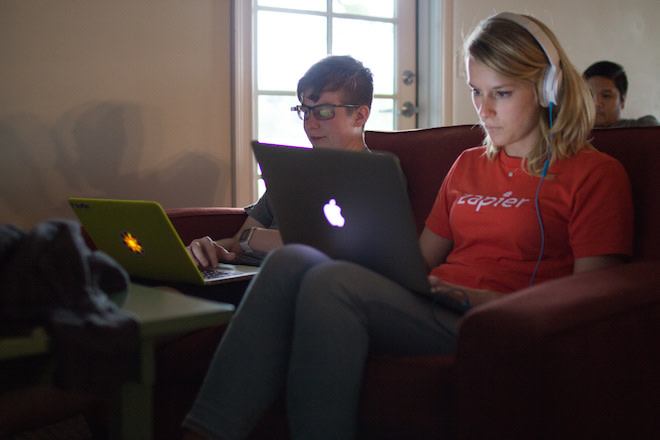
(212, 274)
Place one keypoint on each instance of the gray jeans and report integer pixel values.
(305, 327)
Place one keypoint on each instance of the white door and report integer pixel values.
(278, 40)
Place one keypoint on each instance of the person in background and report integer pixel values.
(335, 97)
(609, 86)
(307, 323)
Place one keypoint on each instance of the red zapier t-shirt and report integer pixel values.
(488, 209)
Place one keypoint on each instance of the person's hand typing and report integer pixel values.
(207, 253)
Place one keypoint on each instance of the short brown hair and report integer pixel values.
(338, 73)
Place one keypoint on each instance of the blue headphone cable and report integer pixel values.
(536, 202)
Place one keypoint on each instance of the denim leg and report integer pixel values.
(345, 311)
(248, 371)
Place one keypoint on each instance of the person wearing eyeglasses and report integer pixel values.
(335, 97)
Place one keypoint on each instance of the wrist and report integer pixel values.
(244, 239)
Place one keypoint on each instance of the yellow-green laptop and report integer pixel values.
(140, 237)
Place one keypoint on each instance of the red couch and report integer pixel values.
(578, 357)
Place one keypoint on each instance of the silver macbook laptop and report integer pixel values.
(140, 237)
(351, 205)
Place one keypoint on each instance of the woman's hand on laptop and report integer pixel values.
(207, 253)
(475, 297)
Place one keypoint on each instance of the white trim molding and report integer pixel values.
(244, 166)
(435, 42)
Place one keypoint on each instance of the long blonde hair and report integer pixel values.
(512, 51)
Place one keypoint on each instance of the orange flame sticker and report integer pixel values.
(132, 243)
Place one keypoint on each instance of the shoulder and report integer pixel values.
(263, 201)
(265, 198)
(647, 121)
(590, 158)
(644, 121)
(470, 158)
(480, 150)
(592, 165)
(473, 153)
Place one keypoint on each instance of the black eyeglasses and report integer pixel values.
(322, 112)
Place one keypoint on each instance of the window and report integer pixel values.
(288, 36)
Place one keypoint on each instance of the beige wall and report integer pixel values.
(121, 99)
(625, 31)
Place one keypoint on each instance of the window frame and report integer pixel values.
(431, 112)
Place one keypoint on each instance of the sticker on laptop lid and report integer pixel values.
(132, 243)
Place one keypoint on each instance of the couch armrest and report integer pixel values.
(577, 357)
(192, 223)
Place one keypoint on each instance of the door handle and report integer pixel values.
(408, 109)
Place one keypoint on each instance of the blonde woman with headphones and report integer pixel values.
(537, 112)
(535, 203)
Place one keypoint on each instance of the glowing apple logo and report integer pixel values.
(332, 213)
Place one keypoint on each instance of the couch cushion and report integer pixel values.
(637, 149)
(192, 223)
(572, 358)
(425, 155)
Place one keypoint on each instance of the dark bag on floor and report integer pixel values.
(50, 278)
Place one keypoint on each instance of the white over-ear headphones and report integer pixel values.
(553, 74)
